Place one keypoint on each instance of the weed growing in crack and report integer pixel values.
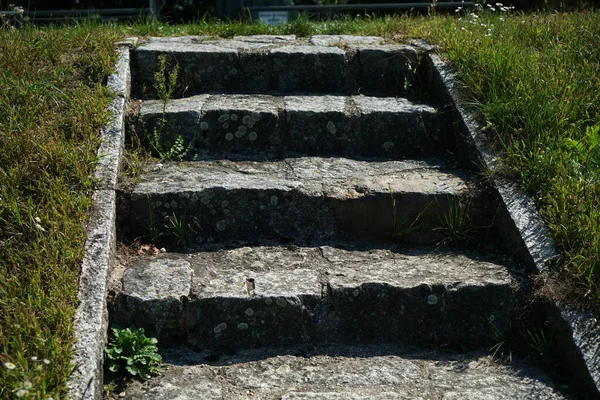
(165, 84)
(182, 228)
(400, 224)
(454, 225)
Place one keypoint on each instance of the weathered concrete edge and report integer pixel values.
(90, 323)
(577, 332)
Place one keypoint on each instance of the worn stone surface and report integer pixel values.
(336, 372)
(258, 296)
(315, 125)
(345, 40)
(151, 296)
(297, 199)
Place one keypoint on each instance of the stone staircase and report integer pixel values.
(324, 242)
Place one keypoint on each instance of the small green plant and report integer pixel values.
(131, 353)
(165, 84)
(182, 228)
(503, 343)
(454, 225)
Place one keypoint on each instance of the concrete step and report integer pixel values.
(301, 200)
(316, 125)
(273, 295)
(276, 64)
(343, 372)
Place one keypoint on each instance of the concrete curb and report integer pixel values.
(90, 323)
(577, 333)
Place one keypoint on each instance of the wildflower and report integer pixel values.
(38, 226)
(9, 365)
(27, 385)
(22, 393)
(34, 358)
(46, 361)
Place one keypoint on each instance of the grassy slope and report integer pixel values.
(51, 110)
(535, 78)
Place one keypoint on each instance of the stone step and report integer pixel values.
(341, 373)
(273, 295)
(278, 64)
(301, 200)
(316, 125)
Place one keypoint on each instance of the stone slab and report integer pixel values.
(336, 64)
(271, 296)
(241, 123)
(296, 199)
(338, 372)
(173, 119)
(307, 68)
(152, 296)
(202, 67)
(314, 125)
(389, 68)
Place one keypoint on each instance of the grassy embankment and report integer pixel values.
(536, 78)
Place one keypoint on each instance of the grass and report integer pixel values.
(534, 77)
(51, 110)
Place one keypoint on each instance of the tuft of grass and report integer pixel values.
(52, 107)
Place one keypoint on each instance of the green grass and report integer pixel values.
(534, 77)
(51, 110)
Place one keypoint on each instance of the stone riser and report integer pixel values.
(372, 313)
(286, 216)
(314, 125)
(210, 67)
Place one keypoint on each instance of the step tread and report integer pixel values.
(335, 177)
(336, 372)
(296, 271)
(274, 103)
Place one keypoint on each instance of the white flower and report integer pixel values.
(27, 385)
(34, 358)
(46, 361)
(9, 365)
(22, 393)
